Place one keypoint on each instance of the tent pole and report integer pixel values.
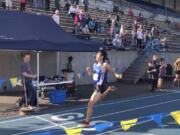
(38, 89)
(58, 63)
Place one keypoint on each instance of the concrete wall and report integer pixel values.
(10, 63)
(169, 57)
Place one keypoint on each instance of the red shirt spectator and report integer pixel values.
(22, 1)
(130, 11)
(76, 19)
(22, 5)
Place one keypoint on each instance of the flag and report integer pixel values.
(13, 81)
(79, 75)
(75, 131)
(157, 118)
(126, 125)
(176, 116)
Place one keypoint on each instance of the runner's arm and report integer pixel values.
(109, 68)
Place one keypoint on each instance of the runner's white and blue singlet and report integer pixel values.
(98, 77)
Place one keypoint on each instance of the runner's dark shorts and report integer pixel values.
(100, 88)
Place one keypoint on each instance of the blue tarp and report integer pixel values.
(23, 31)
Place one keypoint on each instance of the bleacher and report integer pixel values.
(66, 22)
(151, 8)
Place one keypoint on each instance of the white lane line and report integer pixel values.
(45, 120)
(109, 114)
(76, 109)
(40, 129)
(16, 119)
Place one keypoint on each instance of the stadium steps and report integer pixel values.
(136, 70)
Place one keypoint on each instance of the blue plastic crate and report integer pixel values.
(57, 96)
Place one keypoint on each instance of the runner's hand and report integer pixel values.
(118, 76)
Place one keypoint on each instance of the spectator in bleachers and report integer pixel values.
(122, 35)
(88, 18)
(153, 31)
(85, 32)
(47, 5)
(140, 16)
(86, 29)
(77, 2)
(76, 19)
(112, 28)
(163, 42)
(56, 17)
(140, 37)
(157, 31)
(22, 5)
(135, 25)
(117, 27)
(72, 11)
(78, 29)
(57, 4)
(130, 11)
(117, 18)
(146, 37)
(67, 5)
(150, 36)
(122, 31)
(133, 41)
(108, 21)
(92, 25)
(8, 4)
(86, 3)
(78, 9)
(108, 41)
(82, 18)
(117, 41)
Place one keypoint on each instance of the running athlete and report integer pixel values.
(100, 67)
